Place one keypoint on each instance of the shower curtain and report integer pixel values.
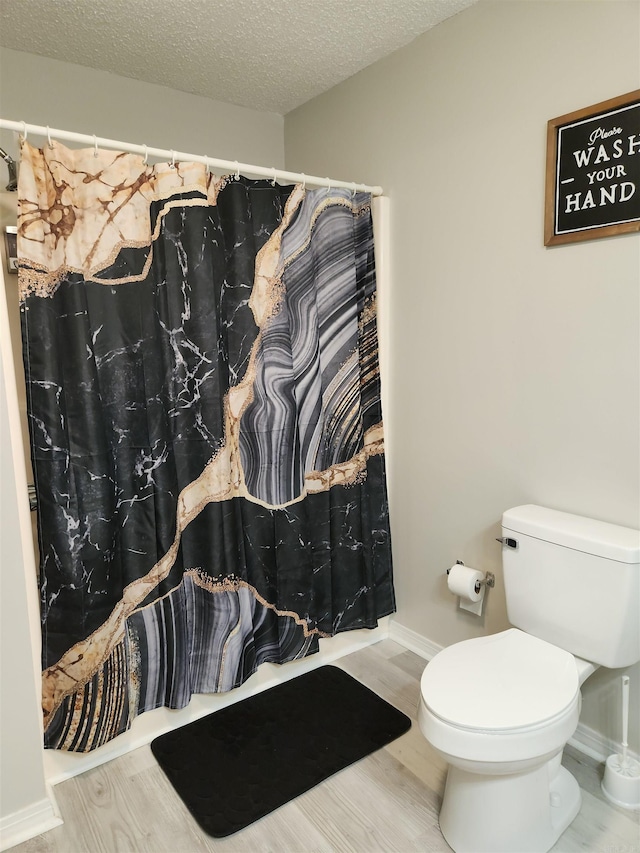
(206, 435)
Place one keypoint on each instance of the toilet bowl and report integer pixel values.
(500, 710)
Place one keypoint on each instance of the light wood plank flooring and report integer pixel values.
(389, 801)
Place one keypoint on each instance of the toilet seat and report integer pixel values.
(509, 699)
(505, 682)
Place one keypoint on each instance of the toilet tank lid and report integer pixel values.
(610, 541)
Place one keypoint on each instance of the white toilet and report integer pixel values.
(501, 708)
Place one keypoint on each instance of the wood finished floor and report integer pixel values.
(389, 801)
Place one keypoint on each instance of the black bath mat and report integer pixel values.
(248, 759)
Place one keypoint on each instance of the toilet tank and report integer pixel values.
(574, 582)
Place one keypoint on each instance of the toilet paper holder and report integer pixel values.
(488, 580)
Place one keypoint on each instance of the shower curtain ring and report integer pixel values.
(173, 159)
(146, 155)
(24, 131)
(207, 165)
(237, 174)
(304, 180)
(354, 190)
(273, 181)
(95, 145)
(328, 180)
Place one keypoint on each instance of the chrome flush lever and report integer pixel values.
(508, 541)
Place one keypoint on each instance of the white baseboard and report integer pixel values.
(592, 743)
(413, 641)
(60, 766)
(29, 822)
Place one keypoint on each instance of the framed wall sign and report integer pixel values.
(593, 172)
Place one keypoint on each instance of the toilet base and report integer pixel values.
(526, 812)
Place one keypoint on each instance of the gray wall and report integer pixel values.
(514, 368)
(69, 97)
(22, 783)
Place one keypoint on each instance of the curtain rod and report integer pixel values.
(165, 154)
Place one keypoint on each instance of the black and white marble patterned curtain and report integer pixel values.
(204, 408)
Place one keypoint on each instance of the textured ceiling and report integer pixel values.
(265, 54)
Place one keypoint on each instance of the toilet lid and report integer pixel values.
(505, 681)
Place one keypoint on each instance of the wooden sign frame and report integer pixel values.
(593, 172)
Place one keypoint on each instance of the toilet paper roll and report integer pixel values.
(462, 581)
